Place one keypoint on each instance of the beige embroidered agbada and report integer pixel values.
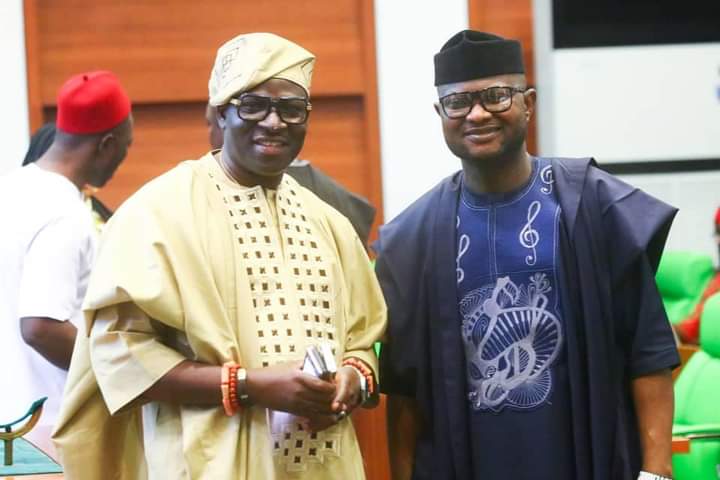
(195, 266)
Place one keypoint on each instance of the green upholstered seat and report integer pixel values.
(697, 403)
(681, 279)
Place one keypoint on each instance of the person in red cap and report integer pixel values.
(689, 329)
(40, 142)
(48, 241)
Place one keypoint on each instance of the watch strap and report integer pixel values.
(651, 476)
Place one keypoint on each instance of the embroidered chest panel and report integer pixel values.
(293, 299)
(293, 293)
(507, 270)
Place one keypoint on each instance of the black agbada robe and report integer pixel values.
(612, 236)
(356, 208)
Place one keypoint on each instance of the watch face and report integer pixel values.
(651, 476)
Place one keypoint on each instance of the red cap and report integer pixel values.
(717, 217)
(91, 102)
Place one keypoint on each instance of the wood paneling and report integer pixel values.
(163, 51)
(371, 430)
(372, 129)
(335, 142)
(32, 53)
(510, 19)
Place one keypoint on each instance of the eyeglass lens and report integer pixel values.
(257, 107)
(493, 99)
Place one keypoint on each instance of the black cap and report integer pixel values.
(469, 55)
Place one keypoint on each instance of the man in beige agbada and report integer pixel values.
(222, 272)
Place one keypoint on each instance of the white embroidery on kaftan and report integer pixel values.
(529, 237)
(546, 176)
(293, 299)
(511, 341)
(463, 246)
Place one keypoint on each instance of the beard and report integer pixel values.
(507, 150)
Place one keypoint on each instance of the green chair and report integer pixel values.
(697, 403)
(7, 435)
(681, 279)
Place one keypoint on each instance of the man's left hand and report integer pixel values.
(347, 397)
(347, 385)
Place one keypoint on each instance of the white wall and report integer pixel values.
(626, 103)
(14, 122)
(414, 154)
(579, 115)
(656, 102)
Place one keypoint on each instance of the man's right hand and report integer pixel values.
(286, 388)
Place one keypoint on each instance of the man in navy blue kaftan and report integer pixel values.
(526, 339)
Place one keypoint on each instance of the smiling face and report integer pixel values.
(481, 136)
(258, 152)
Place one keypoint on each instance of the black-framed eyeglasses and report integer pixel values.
(254, 108)
(493, 100)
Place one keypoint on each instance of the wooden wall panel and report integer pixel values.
(372, 132)
(164, 136)
(32, 52)
(511, 19)
(163, 51)
(335, 142)
(371, 429)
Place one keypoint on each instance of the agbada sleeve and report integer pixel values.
(639, 224)
(402, 356)
(133, 287)
(646, 334)
(127, 354)
(365, 311)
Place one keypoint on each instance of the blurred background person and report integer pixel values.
(39, 143)
(48, 242)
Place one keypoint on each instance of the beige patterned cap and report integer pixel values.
(248, 60)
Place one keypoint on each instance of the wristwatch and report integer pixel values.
(242, 394)
(651, 476)
(363, 385)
